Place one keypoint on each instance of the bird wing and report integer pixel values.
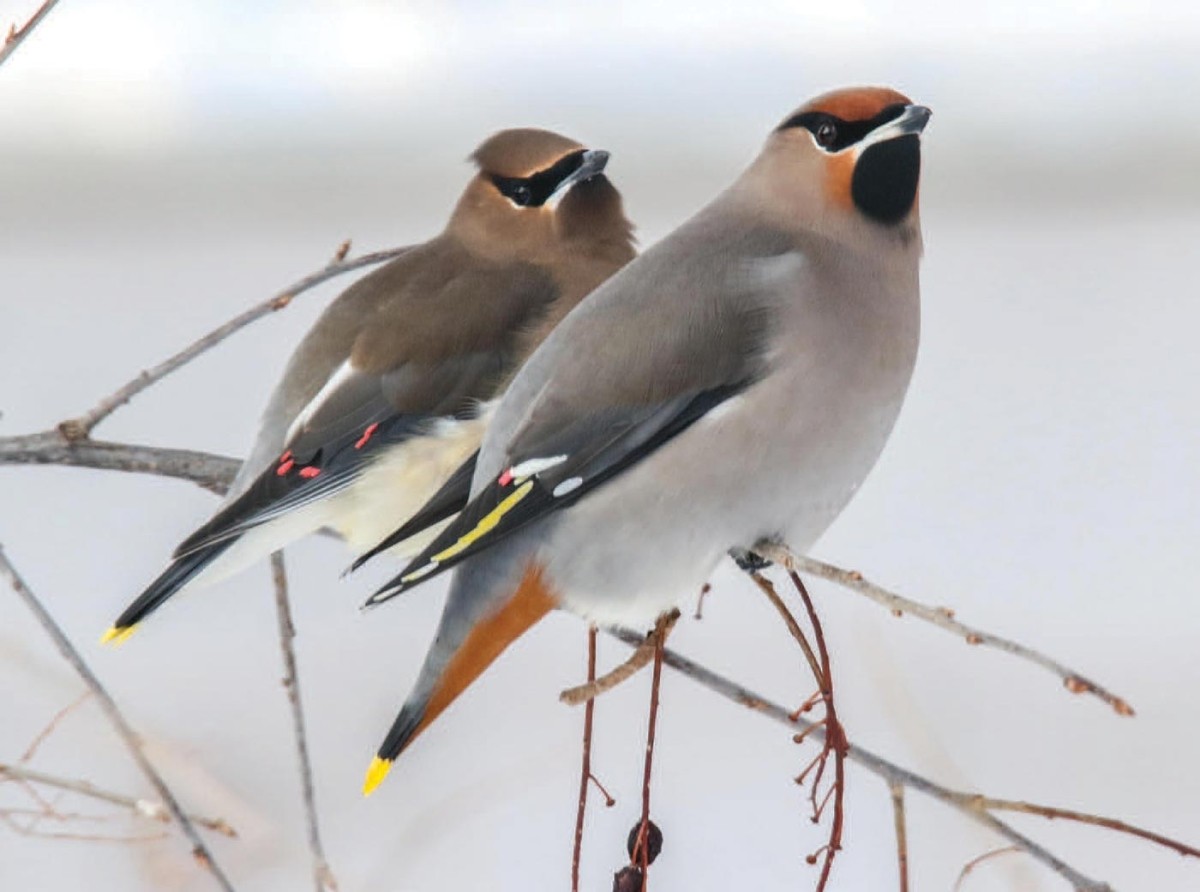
(625, 373)
(417, 358)
(554, 472)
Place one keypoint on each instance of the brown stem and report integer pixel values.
(641, 847)
(942, 617)
(768, 589)
(322, 874)
(835, 737)
(585, 770)
(200, 852)
(638, 660)
(1051, 813)
(980, 859)
(16, 36)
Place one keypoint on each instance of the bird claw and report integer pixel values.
(749, 561)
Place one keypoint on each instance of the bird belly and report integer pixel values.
(777, 461)
(399, 483)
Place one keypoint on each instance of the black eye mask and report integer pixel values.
(845, 133)
(532, 191)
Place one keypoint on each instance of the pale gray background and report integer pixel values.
(162, 166)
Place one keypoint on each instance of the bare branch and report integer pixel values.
(897, 791)
(942, 617)
(130, 737)
(16, 36)
(642, 656)
(1050, 812)
(212, 472)
(144, 807)
(888, 771)
(322, 874)
(80, 428)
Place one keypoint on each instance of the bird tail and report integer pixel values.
(181, 571)
(474, 631)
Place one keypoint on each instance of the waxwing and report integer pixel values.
(734, 383)
(389, 392)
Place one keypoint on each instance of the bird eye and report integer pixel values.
(826, 134)
(520, 195)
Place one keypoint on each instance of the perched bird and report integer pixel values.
(736, 382)
(388, 392)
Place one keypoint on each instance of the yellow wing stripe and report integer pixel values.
(486, 524)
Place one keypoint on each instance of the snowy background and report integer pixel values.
(163, 166)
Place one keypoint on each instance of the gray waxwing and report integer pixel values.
(734, 383)
(390, 391)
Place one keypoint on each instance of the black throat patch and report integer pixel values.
(884, 185)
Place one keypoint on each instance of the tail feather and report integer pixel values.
(460, 654)
(181, 571)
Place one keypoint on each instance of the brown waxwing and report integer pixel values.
(389, 392)
(736, 382)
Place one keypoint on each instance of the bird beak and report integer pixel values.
(594, 161)
(911, 121)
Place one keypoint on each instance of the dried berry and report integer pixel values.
(654, 841)
(628, 879)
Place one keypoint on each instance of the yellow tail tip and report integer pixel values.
(375, 774)
(117, 634)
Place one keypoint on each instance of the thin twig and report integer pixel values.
(941, 617)
(145, 807)
(980, 859)
(877, 765)
(212, 472)
(128, 736)
(1051, 813)
(789, 620)
(16, 36)
(641, 657)
(585, 769)
(322, 874)
(33, 828)
(80, 428)
(52, 725)
(641, 848)
(897, 791)
(834, 740)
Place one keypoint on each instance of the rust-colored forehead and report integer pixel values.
(856, 103)
(522, 151)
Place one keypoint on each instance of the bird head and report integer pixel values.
(850, 160)
(533, 189)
